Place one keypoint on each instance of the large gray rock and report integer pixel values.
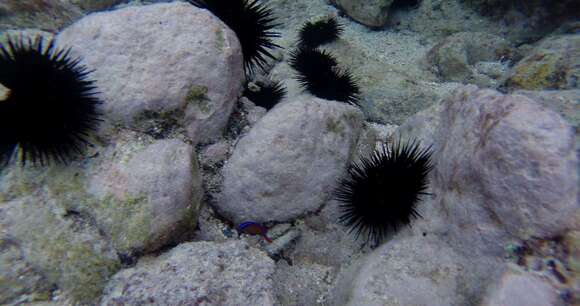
(290, 160)
(372, 13)
(199, 273)
(473, 58)
(415, 270)
(517, 288)
(171, 61)
(506, 168)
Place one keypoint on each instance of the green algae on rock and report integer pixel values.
(67, 252)
(76, 224)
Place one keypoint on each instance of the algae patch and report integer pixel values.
(334, 126)
(125, 221)
(197, 96)
(74, 258)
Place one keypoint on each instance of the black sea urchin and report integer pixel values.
(266, 95)
(318, 72)
(49, 107)
(314, 34)
(381, 192)
(252, 22)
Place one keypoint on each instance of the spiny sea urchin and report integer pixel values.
(266, 95)
(318, 72)
(314, 34)
(49, 107)
(381, 192)
(252, 22)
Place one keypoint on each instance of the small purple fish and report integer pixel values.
(253, 228)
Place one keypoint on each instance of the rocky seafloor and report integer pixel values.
(148, 216)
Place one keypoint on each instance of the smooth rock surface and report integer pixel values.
(289, 162)
(466, 57)
(553, 64)
(168, 61)
(198, 273)
(523, 289)
(564, 102)
(506, 168)
(415, 270)
(372, 13)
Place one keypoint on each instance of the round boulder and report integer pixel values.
(170, 61)
(290, 161)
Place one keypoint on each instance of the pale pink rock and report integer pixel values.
(505, 169)
(523, 289)
(289, 162)
(169, 60)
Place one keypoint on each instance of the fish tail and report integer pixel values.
(267, 239)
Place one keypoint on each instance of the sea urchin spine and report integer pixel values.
(318, 73)
(381, 192)
(253, 24)
(49, 107)
(314, 34)
(266, 95)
